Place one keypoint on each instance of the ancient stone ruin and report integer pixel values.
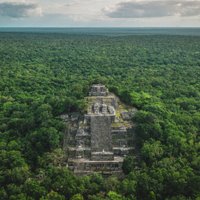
(99, 140)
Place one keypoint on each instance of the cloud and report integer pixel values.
(144, 9)
(19, 9)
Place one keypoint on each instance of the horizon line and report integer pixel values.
(99, 27)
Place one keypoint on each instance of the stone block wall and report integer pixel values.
(101, 139)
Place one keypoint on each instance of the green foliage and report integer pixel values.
(45, 75)
(112, 184)
(53, 196)
(152, 151)
(114, 196)
(129, 164)
(77, 197)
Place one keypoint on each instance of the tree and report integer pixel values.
(114, 196)
(53, 196)
(129, 164)
(152, 151)
(77, 197)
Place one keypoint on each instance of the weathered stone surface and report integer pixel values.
(111, 110)
(101, 139)
(65, 118)
(128, 115)
(98, 90)
(86, 166)
(75, 116)
(103, 155)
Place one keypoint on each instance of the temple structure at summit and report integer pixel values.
(99, 140)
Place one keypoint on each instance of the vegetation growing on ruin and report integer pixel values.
(45, 75)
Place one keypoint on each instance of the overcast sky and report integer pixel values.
(100, 13)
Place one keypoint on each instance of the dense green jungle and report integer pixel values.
(43, 75)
